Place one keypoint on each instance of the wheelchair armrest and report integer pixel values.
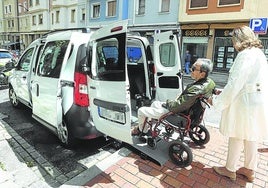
(204, 100)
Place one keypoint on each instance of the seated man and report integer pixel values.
(202, 86)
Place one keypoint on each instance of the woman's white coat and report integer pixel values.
(244, 99)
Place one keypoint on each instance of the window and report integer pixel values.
(198, 3)
(52, 18)
(72, 15)
(110, 60)
(167, 54)
(165, 6)
(37, 2)
(83, 15)
(134, 54)
(95, 11)
(24, 63)
(228, 2)
(141, 7)
(7, 9)
(34, 20)
(52, 58)
(111, 8)
(57, 16)
(40, 19)
(31, 3)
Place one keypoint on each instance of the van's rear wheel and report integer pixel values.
(65, 135)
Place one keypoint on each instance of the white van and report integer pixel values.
(76, 82)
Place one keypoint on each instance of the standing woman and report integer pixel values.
(244, 104)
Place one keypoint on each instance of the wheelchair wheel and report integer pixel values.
(180, 154)
(170, 130)
(151, 142)
(199, 135)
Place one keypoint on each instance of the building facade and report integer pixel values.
(9, 36)
(205, 27)
(202, 25)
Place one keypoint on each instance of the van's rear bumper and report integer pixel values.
(80, 123)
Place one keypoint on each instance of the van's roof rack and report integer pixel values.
(81, 29)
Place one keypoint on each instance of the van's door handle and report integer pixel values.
(92, 87)
(37, 90)
(159, 73)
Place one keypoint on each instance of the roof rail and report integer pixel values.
(82, 29)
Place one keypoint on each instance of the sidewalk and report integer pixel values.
(14, 172)
(127, 169)
(132, 171)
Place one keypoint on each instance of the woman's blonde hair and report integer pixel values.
(244, 38)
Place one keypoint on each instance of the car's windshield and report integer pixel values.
(5, 55)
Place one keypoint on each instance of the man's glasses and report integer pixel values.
(194, 69)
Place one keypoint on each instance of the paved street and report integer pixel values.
(125, 168)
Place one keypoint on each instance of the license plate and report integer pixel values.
(111, 115)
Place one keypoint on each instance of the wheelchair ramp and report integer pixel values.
(159, 154)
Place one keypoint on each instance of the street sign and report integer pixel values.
(258, 25)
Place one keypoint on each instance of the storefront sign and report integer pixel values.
(195, 33)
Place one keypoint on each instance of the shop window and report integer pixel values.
(198, 4)
(264, 41)
(224, 53)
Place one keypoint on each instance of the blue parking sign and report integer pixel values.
(258, 25)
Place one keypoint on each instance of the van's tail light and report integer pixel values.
(80, 89)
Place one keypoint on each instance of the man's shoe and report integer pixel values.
(249, 174)
(224, 172)
(136, 131)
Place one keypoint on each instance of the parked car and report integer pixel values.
(5, 57)
(85, 85)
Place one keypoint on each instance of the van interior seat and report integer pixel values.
(136, 79)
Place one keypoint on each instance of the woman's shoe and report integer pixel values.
(249, 174)
(224, 172)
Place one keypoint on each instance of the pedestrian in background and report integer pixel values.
(244, 105)
(187, 62)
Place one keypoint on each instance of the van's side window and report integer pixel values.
(167, 54)
(52, 58)
(25, 60)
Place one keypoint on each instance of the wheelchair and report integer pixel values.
(174, 127)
